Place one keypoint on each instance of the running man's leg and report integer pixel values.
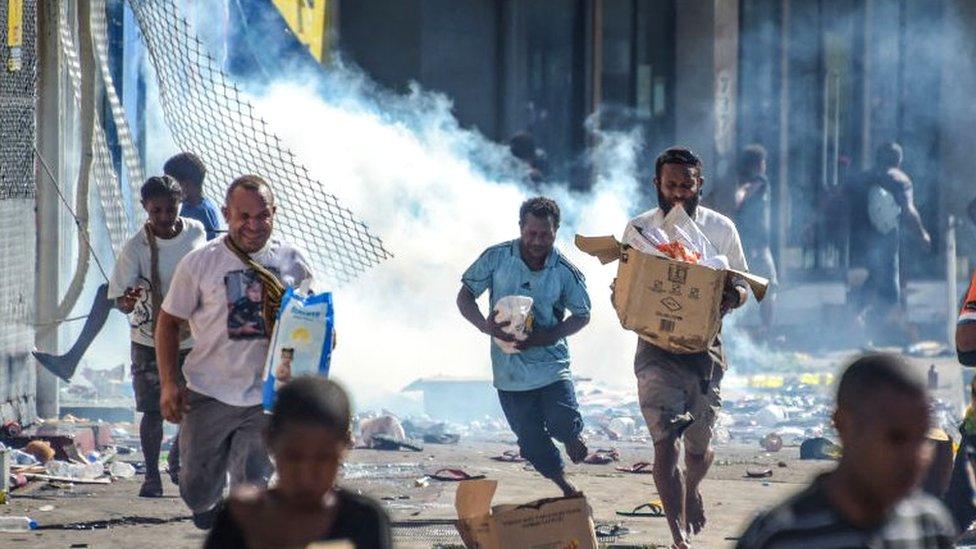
(526, 417)
(205, 444)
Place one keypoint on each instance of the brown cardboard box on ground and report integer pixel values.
(557, 523)
(671, 304)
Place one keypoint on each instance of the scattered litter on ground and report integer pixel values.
(453, 475)
(611, 530)
(649, 509)
(759, 472)
(639, 468)
(602, 456)
(509, 456)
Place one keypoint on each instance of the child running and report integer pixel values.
(308, 437)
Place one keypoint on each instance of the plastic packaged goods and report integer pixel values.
(302, 341)
(517, 311)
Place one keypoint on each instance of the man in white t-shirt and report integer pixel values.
(139, 281)
(679, 393)
(223, 299)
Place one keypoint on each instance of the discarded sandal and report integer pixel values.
(649, 509)
(453, 475)
(509, 456)
(639, 468)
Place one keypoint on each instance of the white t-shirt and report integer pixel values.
(718, 229)
(133, 270)
(221, 297)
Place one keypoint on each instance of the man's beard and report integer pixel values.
(691, 205)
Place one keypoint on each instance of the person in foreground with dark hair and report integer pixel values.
(534, 385)
(872, 498)
(679, 393)
(189, 171)
(308, 436)
(140, 280)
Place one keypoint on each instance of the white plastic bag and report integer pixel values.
(516, 309)
(681, 228)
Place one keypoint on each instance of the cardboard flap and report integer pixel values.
(473, 497)
(604, 248)
(758, 284)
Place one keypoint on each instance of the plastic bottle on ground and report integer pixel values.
(17, 524)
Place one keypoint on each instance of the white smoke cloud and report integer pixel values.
(439, 195)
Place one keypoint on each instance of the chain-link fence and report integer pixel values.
(208, 115)
(18, 76)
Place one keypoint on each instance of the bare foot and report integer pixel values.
(568, 489)
(577, 450)
(694, 511)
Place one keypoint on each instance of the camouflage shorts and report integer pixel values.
(145, 376)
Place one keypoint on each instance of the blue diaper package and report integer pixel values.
(301, 343)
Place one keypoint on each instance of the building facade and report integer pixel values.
(819, 83)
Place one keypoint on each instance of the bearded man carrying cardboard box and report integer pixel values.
(679, 392)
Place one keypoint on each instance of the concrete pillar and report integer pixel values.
(48, 137)
(513, 73)
(706, 82)
(957, 114)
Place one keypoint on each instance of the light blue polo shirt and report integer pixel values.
(557, 287)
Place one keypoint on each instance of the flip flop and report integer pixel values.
(649, 509)
(639, 468)
(509, 456)
(453, 475)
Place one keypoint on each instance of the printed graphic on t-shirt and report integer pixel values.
(245, 305)
(140, 319)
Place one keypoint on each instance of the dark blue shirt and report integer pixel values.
(205, 212)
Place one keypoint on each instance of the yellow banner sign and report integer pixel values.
(15, 33)
(309, 21)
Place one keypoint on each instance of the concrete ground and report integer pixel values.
(113, 516)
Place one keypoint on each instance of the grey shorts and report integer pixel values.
(217, 439)
(673, 403)
(145, 376)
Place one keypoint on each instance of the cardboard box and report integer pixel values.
(558, 523)
(671, 304)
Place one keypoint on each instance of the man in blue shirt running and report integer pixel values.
(189, 171)
(534, 385)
